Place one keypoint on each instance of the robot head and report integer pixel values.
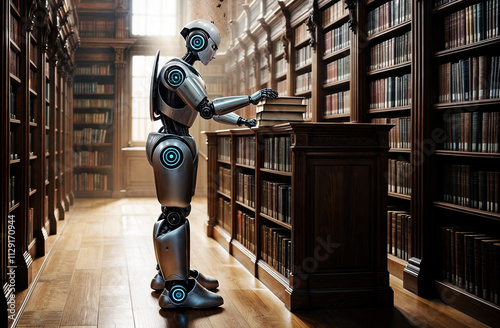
(202, 39)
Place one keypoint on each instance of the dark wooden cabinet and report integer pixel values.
(334, 218)
(37, 51)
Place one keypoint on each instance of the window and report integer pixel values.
(154, 17)
(142, 67)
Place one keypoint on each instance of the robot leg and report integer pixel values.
(171, 243)
(158, 282)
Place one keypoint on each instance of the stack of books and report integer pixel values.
(280, 110)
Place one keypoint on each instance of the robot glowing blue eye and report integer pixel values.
(175, 77)
(197, 42)
(171, 157)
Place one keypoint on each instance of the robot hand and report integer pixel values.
(249, 123)
(261, 94)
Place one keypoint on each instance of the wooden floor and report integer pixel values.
(99, 271)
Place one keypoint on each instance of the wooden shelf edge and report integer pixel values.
(283, 173)
(468, 303)
(467, 154)
(473, 103)
(245, 206)
(467, 47)
(400, 196)
(389, 69)
(390, 109)
(278, 222)
(467, 210)
(396, 266)
(338, 53)
(389, 31)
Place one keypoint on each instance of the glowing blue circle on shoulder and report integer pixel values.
(175, 77)
(171, 157)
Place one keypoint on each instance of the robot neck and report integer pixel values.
(189, 58)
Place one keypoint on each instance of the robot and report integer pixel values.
(178, 94)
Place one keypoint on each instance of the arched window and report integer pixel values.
(154, 17)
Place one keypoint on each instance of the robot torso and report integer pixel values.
(176, 91)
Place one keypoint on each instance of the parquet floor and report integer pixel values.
(99, 271)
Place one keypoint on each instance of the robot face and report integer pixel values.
(202, 38)
(208, 53)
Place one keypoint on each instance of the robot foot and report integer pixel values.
(206, 281)
(158, 283)
(194, 296)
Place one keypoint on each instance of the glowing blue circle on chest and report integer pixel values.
(171, 157)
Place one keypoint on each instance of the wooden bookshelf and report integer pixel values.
(97, 99)
(277, 194)
(35, 140)
(423, 120)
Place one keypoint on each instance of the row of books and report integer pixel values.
(308, 102)
(472, 24)
(282, 88)
(469, 186)
(93, 87)
(13, 102)
(471, 261)
(96, 28)
(97, 69)
(337, 70)
(393, 91)
(15, 30)
(301, 33)
(389, 14)
(33, 53)
(224, 180)
(245, 230)
(90, 158)
(12, 190)
(399, 234)
(245, 150)
(89, 136)
(468, 79)
(334, 13)
(32, 79)
(278, 154)
(276, 200)
(303, 56)
(338, 103)
(224, 149)
(474, 132)
(337, 39)
(277, 249)
(224, 214)
(391, 52)
(93, 103)
(14, 64)
(400, 134)
(438, 3)
(104, 117)
(303, 82)
(399, 177)
(13, 145)
(90, 182)
(246, 189)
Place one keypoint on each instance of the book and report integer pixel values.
(300, 108)
(280, 116)
(282, 101)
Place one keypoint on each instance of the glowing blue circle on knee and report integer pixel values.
(171, 157)
(198, 42)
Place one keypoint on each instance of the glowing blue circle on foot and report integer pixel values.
(178, 294)
(171, 157)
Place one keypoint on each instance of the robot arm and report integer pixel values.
(223, 106)
(234, 119)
